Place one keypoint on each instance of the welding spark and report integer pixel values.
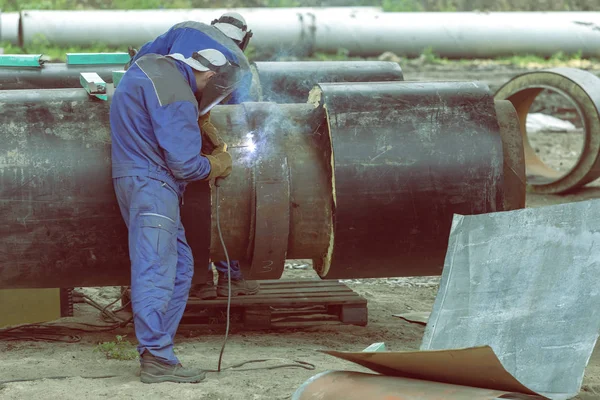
(249, 143)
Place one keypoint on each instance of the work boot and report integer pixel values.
(204, 291)
(238, 287)
(155, 371)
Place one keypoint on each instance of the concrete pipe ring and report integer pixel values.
(582, 90)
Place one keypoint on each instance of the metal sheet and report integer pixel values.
(407, 156)
(582, 88)
(525, 283)
(290, 82)
(334, 385)
(471, 367)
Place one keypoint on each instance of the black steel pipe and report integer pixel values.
(398, 149)
(290, 82)
(279, 82)
(367, 191)
(51, 75)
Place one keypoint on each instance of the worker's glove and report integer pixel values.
(220, 163)
(210, 135)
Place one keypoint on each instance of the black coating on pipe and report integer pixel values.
(281, 82)
(52, 75)
(290, 82)
(61, 225)
(407, 157)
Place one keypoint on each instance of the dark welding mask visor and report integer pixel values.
(227, 78)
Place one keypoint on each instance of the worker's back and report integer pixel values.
(187, 37)
(155, 91)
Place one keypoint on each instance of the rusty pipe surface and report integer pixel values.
(347, 385)
(309, 181)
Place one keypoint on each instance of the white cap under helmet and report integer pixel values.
(232, 24)
(203, 60)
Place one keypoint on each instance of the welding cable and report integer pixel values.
(218, 185)
(235, 367)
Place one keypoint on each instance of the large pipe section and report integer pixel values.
(582, 89)
(364, 32)
(364, 180)
(279, 82)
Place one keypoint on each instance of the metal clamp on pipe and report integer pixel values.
(271, 214)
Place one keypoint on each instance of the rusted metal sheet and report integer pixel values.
(476, 367)
(290, 82)
(392, 207)
(407, 156)
(582, 89)
(347, 385)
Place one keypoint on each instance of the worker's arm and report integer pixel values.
(176, 129)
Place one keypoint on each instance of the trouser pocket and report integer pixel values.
(159, 237)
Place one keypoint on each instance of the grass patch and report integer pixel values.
(118, 350)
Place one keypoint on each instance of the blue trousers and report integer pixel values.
(161, 262)
(221, 267)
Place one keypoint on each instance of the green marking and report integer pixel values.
(117, 75)
(97, 58)
(21, 60)
(93, 84)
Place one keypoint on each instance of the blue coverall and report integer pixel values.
(186, 38)
(156, 146)
(190, 36)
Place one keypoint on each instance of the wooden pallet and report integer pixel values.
(281, 304)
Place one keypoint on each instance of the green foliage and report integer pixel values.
(119, 350)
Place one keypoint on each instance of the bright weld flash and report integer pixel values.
(249, 143)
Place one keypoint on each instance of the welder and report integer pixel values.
(230, 35)
(156, 152)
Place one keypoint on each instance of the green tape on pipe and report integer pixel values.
(21, 60)
(117, 75)
(97, 58)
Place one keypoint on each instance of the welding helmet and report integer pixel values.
(233, 25)
(227, 78)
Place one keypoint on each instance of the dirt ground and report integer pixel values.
(78, 362)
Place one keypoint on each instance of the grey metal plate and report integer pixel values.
(525, 283)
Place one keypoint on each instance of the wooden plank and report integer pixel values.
(300, 283)
(298, 299)
(281, 304)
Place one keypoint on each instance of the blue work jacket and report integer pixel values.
(190, 36)
(154, 123)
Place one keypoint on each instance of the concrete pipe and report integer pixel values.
(582, 89)
(364, 180)
(279, 82)
(347, 385)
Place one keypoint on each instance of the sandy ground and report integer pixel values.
(79, 362)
